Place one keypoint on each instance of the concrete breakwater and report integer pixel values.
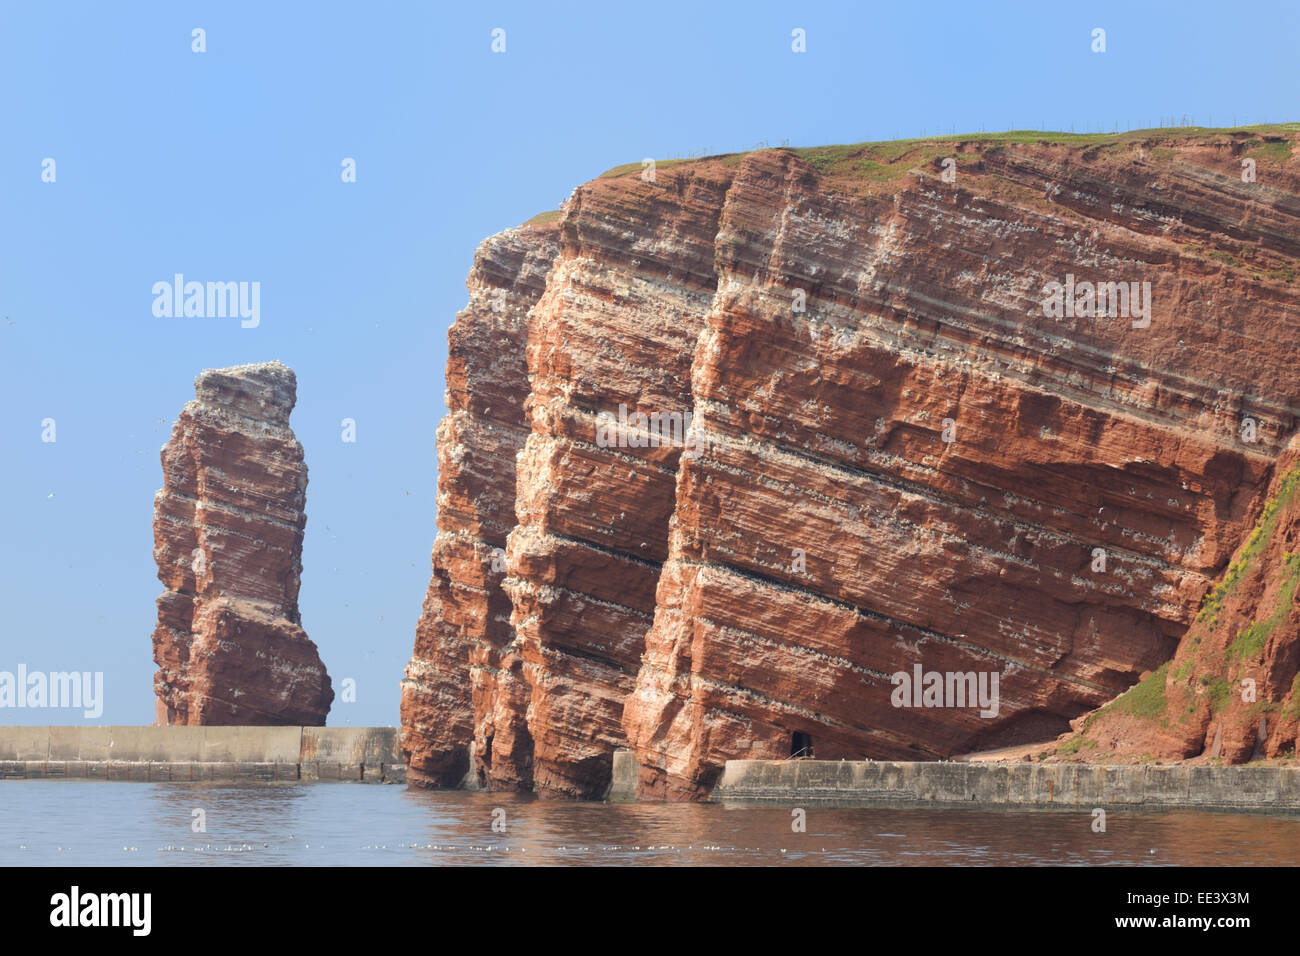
(1041, 785)
(311, 754)
(373, 755)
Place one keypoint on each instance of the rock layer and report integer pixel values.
(228, 527)
(617, 325)
(892, 454)
(461, 665)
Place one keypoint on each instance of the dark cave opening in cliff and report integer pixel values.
(801, 744)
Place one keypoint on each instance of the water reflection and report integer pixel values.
(96, 823)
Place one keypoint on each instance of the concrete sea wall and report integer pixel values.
(623, 782)
(373, 755)
(355, 754)
(1017, 784)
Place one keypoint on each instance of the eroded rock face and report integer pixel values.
(463, 683)
(1231, 694)
(894, 456)
(228, 526)
(616, 325)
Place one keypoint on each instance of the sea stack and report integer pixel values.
(228, 526)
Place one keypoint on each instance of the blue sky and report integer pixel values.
(225, 165)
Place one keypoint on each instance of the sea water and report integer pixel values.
(94, 823)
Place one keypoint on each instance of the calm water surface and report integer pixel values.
(80, 823)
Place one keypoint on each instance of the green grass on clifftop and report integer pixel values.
(885, 160)
(1277, 151)
(542, 218)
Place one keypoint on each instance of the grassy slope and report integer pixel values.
(1148, 699)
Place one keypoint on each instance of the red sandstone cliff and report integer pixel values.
(463, 680)
(894, 456)
(228, 526)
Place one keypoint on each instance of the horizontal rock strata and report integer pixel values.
(228, 527)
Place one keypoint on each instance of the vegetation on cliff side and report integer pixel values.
(1255, 544)
(870, 164)
(1193, 675)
